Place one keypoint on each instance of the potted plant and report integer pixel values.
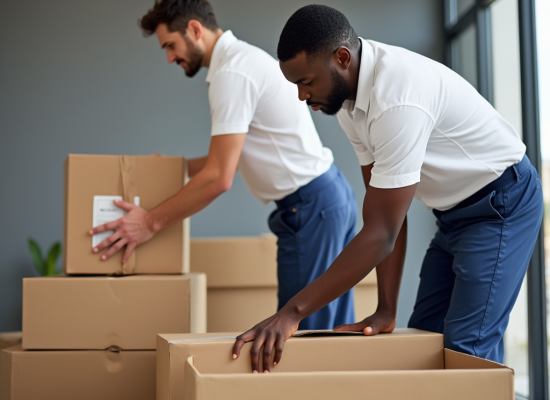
(46, 266)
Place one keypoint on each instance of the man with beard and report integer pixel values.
(261, 128)
(419, 130)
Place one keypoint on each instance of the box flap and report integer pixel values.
(413, 350)
(387, 385)
(456, 360)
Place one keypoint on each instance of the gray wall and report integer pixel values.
(78, 77)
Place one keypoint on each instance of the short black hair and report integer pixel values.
(315, 30)
(176, 14)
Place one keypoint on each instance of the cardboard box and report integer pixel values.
(242, 275)
(9, 339)
(78, 313)
(407, 364)
(82, 375)
(153, 180)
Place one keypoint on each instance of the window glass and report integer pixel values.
(465, 51)
(462, 6)
(507, 100)
(542, 8)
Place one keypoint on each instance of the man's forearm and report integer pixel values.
(192, 198)
(359, 257)
(389, 273)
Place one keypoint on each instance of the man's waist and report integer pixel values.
(309, 190)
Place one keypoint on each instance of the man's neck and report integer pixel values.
(354, 71)
(210, 39)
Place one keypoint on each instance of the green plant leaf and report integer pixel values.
(36, 254)
(53, 255)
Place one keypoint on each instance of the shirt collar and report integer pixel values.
(224, 42)
(365, 81)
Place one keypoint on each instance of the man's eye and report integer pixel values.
(308, 84)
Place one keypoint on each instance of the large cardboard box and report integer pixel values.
(82, 375)
(406, 364)
(9, 339)
(152, 180)
(78, 313)
(242, 281)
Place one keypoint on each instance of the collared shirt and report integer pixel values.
(249, 94)
(420, 122)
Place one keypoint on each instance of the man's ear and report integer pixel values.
(195, 29)
(342, 57)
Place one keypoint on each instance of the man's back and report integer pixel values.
(460, 141)
(248, 93)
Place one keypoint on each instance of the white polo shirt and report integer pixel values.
(420, 122)
(249, 94)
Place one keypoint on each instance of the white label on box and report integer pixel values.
(106, 211)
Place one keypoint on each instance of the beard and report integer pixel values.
(194, 59)
(339, 93)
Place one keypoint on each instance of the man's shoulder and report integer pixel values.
(402, 76)
(244, 58)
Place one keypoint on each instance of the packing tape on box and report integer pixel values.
(128, 171)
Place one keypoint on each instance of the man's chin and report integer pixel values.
(192, 73)
(330, 110)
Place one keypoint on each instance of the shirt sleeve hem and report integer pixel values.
(226, 129)
(396, 181)
(365, 158)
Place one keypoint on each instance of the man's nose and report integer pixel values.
(303, 95)
(170, 57)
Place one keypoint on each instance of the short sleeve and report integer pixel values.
(399, 138)
(233, 98)
(364, 156)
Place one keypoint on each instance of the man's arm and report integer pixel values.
(384, 211)
(212, 179)
(195, 165)
(389, 274)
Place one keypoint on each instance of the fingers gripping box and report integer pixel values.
(92, 182)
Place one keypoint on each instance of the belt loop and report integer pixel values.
(516, 172)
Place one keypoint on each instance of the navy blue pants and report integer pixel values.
(313, 225)
(474, 266)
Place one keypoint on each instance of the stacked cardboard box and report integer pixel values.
(10, 339)
(242, 281)
(406, 364)
(92, 334)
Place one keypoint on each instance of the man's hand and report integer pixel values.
(130, 230)
(269, 334)
(379, 322)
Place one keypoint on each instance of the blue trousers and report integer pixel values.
(474, 266)
(313, 225)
